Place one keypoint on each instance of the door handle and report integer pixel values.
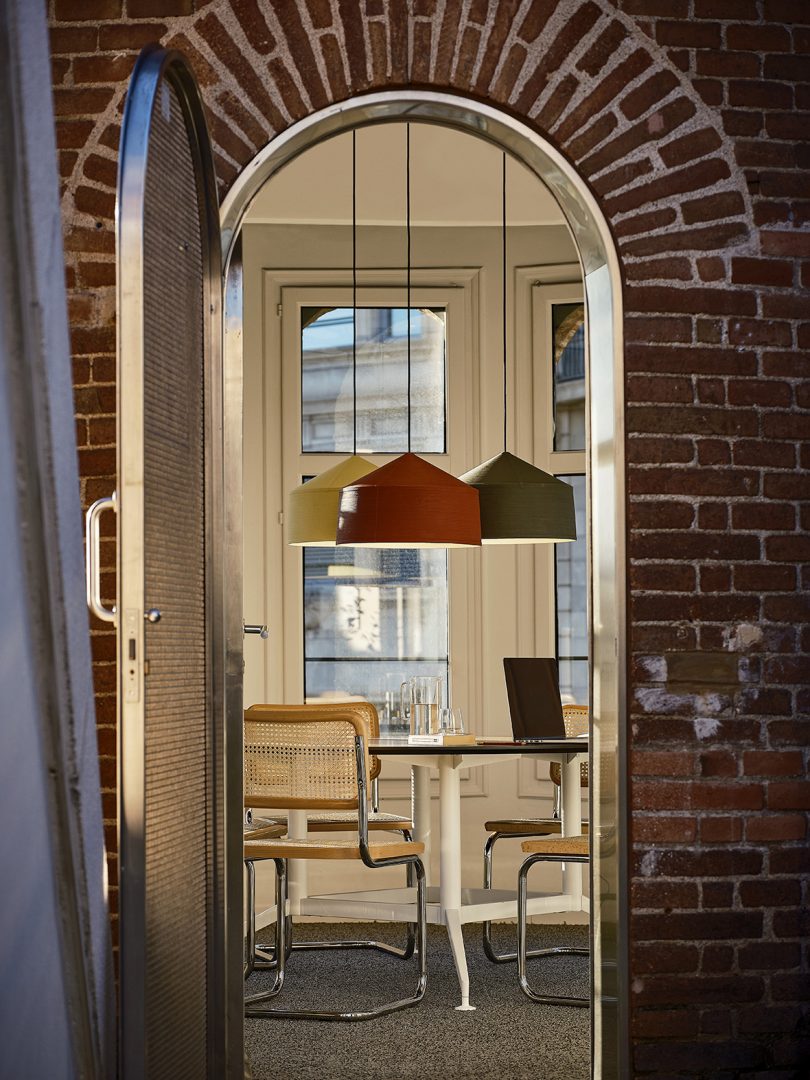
(255, 628)
(92, 565)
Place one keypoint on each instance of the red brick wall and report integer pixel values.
(689, 120)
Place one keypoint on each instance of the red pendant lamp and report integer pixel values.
(409, 503)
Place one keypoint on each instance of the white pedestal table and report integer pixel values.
(449, 904)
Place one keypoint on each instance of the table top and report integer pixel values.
(393, 744)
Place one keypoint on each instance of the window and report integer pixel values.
(568, 330)
(560, 354)
(572, 603)
(371, 619)
(368, 619)
(327, 381)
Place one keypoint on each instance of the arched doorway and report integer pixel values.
(601, 278)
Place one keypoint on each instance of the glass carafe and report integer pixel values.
(421, 695)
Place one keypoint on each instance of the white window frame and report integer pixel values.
(537, 289)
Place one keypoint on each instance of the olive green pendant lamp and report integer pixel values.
(520, 504)
(409, 503)
(312, 513)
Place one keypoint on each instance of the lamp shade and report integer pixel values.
(409, 503)
(521, 504)
(312, 512)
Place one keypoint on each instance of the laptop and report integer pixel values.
(533, 690)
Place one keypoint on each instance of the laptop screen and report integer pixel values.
(533, 690)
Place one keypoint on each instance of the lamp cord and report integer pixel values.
(503, 232)
(408, 264)
(354, 290)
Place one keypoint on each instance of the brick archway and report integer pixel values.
(658, 106)
(583, 75)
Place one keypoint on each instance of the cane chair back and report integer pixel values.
(301, 757)
(575, 718)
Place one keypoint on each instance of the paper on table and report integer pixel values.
(441, 740)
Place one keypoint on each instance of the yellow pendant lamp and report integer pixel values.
(409, 503)
(312, 511)
(520, 504)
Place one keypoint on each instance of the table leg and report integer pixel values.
(296, 868)
(572, 826)
(450, 876)
(420, 810)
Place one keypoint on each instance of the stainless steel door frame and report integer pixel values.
(162, 81)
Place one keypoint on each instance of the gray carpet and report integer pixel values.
(508, 1037)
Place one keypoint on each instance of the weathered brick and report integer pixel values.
(679, 181)
(775, 827)
(720, 830)
(649, 93)
(747, 271)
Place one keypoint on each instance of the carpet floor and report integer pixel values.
(508, 1037)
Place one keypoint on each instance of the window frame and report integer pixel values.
(456, 292)
(537, 288)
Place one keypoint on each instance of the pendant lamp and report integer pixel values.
(409, 503)
(520, 504)
(312, 513)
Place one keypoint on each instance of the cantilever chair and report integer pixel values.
(300, 758)
(550, 849)
(262, 956)
(575, 718)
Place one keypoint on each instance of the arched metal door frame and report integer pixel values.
(602, 278)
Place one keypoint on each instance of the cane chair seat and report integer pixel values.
(319, 848)
(527, 826)
(557, 846)
(337, 821)
(263, 828)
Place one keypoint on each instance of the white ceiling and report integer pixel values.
(455, 180)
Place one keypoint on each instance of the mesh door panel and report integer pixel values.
(178, 736)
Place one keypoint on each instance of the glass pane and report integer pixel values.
(372, 618)
(572, 604)
(327, 414)
(568, 350)
(574, 682)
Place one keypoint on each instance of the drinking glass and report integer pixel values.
(451, 722)
(458, 721)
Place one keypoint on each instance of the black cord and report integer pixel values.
(408, 263)
(354, 289)
(503, 231)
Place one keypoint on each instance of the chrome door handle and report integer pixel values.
(256, 628)
(92, 565)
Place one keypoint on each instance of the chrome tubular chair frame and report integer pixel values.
(522, 953)
(573, 717)
(261, 956)
(253, 1002)
(492, 839)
